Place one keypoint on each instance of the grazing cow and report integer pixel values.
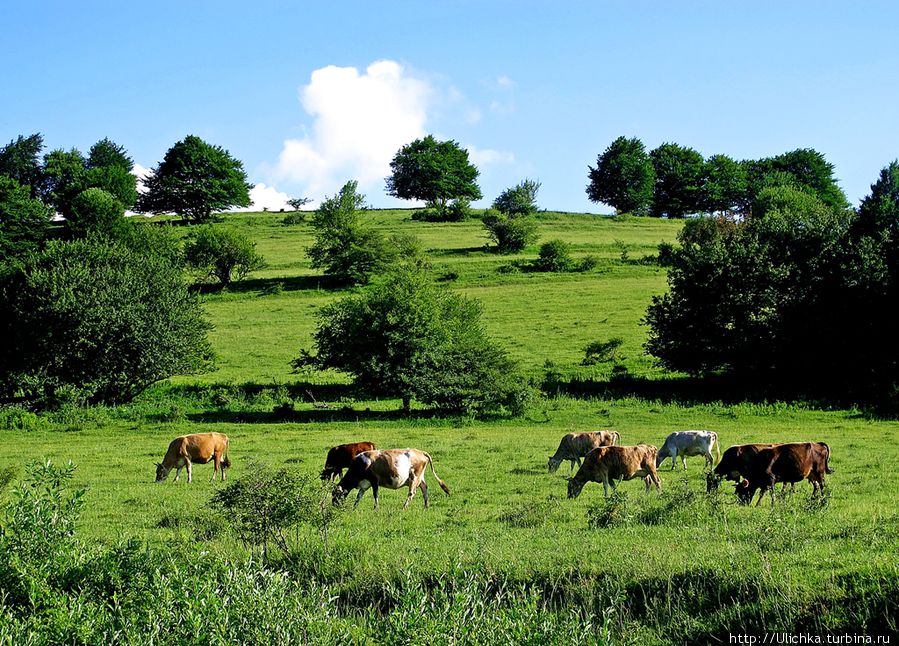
(575, 446)
(733, 463)
(198, 448)
(390, 468)
(787, 463)
(610, 463)
(340, 457)
(687, 443)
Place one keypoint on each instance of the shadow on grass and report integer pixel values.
(461, 251)
(273, 285)
(299, 390)
(316, 415)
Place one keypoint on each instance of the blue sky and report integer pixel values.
(309, 95)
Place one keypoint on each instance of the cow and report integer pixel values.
(340, 457)
(687, 443)
(607, 464)
(733, 463)
(390, 468)
(787, 463)
(575, 446)
(198, 448)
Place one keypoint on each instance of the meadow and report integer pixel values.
(505, 558)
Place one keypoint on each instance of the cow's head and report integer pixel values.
(744, 492)
(161, 472)
(574, 487)
(328, 473)
(338, 495)
(553, 464)
(712, 480)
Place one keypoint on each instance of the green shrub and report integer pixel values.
(222, 254)
(554, 255)
(510, 234)
(95, 212)
(297, 217)
(96, 323)
(16, 418)
(518, 200)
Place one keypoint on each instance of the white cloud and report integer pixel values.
(267, 197)
(360, 120)
(489, 156)
(505, 81)
(141, 173)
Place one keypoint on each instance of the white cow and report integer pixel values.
(687, 443)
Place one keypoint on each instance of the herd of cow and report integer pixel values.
(599, 455)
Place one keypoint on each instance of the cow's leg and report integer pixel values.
(363, 487)
(683, 459)
(374, 493)
(411, 493)
(424, 491)
(178, 472)
(605, 486)
(190, 472)
(216, 466)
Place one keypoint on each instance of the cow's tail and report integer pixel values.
(226, 461)
(717, 447)
(827, 468)
(439, 481)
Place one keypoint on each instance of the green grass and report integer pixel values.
(665, 569)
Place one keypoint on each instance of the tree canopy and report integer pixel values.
(678, 180)
(24, 220)
(433, 171)
(20, 160)
(195, 179)
(407, 337)
(623, 177)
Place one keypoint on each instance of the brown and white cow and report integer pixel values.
(390, 468)
(340, 457)
(576, 446)
(198, 448)
(610, 463)
(787, 463)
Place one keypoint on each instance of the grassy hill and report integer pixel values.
(641, 569)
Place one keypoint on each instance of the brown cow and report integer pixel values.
(340, 457)
(575, 446)
(200, 448)
(785, 463)
(390, 468)
(735, 461)
(610, 463)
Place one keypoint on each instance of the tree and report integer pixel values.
(518, 200)
(879, 211)
(195, 179)
(94, 322)
(407, 337)
(345, 247)
(297, 203)
(95, 212)
(433, 171)
(20, 160)
(813, 173)
(678, 180)
(222, 253)
(623, 177)
(106, 154)
(723, 184)
(24, 220)
(64, 173)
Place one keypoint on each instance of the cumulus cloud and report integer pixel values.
(481, 157)
(268, 197)
(141, 173)
(505, 81)
(360, 120)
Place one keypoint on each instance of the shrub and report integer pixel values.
(95, 212)
(96, 323)
(554, 255)
(518, 200)
(510, 234)
(297, 217)
(411, 338)
(222, 253)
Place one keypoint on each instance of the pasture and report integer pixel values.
(671, 568)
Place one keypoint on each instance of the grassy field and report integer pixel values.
(681, 567)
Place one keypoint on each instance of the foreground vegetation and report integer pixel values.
(505, 558)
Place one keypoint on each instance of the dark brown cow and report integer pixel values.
(610, 463)
(340, 457)
(785, 463)
(733, 463)
(200, 448)
(390, 468)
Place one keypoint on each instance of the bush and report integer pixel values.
(222, 253)
(554, 255)
(96, 323)
(408, 337)
(518, 200)
(510, 234)
(95, 212)
(297, 217)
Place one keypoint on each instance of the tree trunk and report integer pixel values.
(407, 404)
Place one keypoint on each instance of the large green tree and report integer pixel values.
(407, 337)
(24, 220)
(623, 177)
(433, 171)
(96, 322)
(678, 180)
(195, 179)
(20, 160)
(723, 184)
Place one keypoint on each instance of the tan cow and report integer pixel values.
(200, 448)
(390, 468)
(575, 446)
(610, 463)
